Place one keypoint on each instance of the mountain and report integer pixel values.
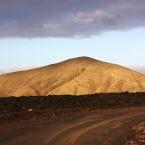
(82, 75)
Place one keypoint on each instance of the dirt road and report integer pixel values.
(109, 127)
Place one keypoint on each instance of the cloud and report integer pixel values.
(15, 69)
(68, 18)
(140, 69)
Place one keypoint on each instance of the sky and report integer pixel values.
(35, 33)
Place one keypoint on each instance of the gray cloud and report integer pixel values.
(68, 18)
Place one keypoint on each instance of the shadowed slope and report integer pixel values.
(77, 76)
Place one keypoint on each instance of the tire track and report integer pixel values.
(70, 136)
(103, 128)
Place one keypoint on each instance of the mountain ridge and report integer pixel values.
(76, 76)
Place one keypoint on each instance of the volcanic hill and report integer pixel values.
(78, 76)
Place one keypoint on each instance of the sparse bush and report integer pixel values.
(17, 108)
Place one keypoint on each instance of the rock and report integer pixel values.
(30, 110)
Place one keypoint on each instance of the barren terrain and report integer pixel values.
(97, 127)
(80, 101)
(76, 76)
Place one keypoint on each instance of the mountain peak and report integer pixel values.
(76, 76)
(83, 59)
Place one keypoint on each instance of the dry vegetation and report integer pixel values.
(23, 108)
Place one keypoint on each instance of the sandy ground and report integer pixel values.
(105, 127)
